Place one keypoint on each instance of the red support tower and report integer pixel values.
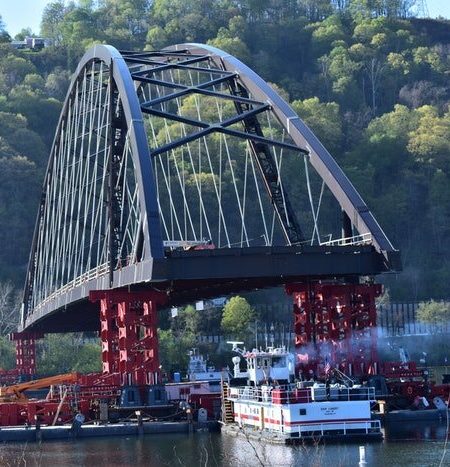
(128, 331)
(25, 352)
(364, 320)
(335, 322)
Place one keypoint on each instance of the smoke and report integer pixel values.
(314, 352)
(424, 348)
(358, 344)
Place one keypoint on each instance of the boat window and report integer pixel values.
(279, 362)
(302, 411)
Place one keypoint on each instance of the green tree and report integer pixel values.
(23, 33)
(19, 140)
(53, 20)
(188, 320)
(63, 353)
(324, 119)
(41, 113)
(4, 36)
(434, 312)
(398, 63)
(7, 354)
(342, 69)
(315, 10)
(57, 82)
(89, 358)
(177, 21)
(430, 143)
(326, 33)
(173, 351)
(232, 45)
(428, 58)
(15, 68)
(175, 343)
(236, 317)
(393, 127)
(19, 192)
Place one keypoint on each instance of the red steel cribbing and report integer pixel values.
(128, 331)
(25, 351)
(337, 323)
(109, 336)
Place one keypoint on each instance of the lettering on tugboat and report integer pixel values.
(329, 411)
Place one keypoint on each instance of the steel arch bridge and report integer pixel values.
(183, 171)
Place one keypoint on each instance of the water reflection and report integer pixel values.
(406, 443)
(415, 430)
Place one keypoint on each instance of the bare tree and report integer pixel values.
(374, 70)
(9, 308)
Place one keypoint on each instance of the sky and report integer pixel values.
(19, 14)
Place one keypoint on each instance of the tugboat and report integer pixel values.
(199, 371)
(201, 388)
(265, 401)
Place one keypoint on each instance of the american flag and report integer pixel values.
(303, 357)
(327, 366)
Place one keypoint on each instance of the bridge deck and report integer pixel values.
(192, 275)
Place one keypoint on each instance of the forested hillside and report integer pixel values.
(370, 79)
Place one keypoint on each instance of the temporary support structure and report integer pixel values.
(335, 324)
(26, 352)
(128, 331)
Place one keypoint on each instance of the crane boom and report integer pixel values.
(15, 392)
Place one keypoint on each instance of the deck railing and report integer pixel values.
(94, 273)
(294, 394)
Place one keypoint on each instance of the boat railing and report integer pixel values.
(352, 393)
(294, 394)
(366, 426)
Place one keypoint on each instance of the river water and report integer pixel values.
(412, 444)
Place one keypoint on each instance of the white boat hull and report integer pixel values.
(308, 419)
